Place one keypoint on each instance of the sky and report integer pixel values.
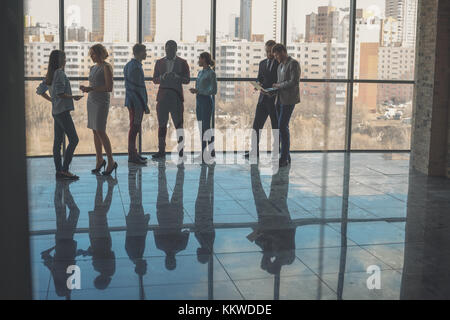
(197, 14)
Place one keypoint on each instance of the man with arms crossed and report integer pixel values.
(171, 72)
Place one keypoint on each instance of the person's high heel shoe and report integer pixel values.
(97, 170)
(114, 168)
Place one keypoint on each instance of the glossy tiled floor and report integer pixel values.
(235, 232)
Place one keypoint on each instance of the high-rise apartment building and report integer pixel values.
(245, 21)
(149, 20)
(98, 20)
(116, 21)
(405, 12)
(324, 25)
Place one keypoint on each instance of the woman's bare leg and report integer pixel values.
(108, 150)
(98, 147)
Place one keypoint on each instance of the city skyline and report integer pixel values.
(260, 8)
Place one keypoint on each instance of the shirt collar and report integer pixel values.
(171, 59)
(136, 60)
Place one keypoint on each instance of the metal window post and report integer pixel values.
(351, 77)
(212, 44)
(284, 6)
(140, 38)
(61, 47)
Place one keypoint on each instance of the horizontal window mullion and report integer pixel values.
(254, 79)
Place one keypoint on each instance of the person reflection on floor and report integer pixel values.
(170, 236)
(137, 225)
(65, 246)
(274, 233)
(103, 258)
(204, 212)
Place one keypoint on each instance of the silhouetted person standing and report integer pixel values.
(267, 76)
(136, 99)
(171, 72)
(65, 246)
(288, 95)
(170, 236)
(58, 85)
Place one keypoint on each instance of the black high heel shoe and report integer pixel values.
(97, 170)
(114, 168)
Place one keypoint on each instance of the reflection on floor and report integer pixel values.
(235, 232)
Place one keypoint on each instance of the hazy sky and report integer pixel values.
(197, 14)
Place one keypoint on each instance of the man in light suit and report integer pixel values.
(171, 72)
(288, 96)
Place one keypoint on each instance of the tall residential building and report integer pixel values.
(116, 21)
(98, 20)
(275, 20)
(405, 12)
(324, 25)
(149, 20)
(245, 21)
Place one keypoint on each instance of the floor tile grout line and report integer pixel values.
(229, 276)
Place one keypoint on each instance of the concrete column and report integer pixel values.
(15, 276)
(430, 149)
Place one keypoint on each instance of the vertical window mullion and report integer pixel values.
(351, 76)
(284, 7)
(140, 38)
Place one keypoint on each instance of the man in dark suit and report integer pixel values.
(171, 72)
(267, 76)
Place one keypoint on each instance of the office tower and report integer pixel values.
(98, 20)
(116, 21)
(233, 26)
(149, 20)
(245, 21)
(405, 12)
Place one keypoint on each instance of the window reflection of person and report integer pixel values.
(204, 212)
(65, 249)
(170, 236)
(274, 233)
(137, 224)
(103, 258)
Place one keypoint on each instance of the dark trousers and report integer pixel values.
(63, 125)
(136, 115)
(284, 116)
(265, 108)
(170, 104)
(204, 110)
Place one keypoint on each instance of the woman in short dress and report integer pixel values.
(100, 87)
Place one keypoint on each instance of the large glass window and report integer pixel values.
(185, 21)
(41, 35)
(317, 35)
(382, 116)
(385, 39)
(243, 26)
